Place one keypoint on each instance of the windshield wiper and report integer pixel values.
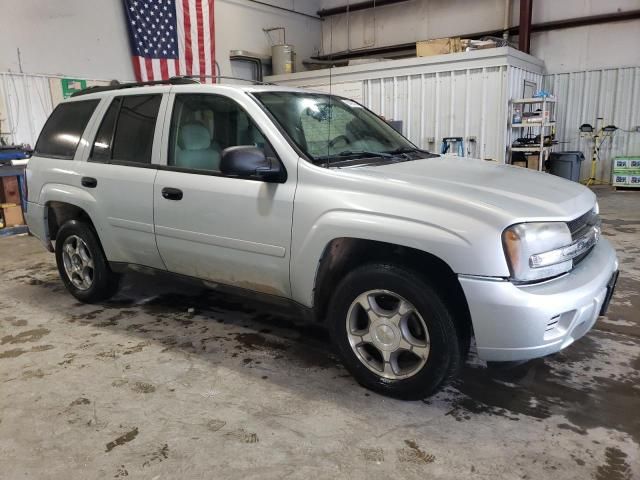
(364, 153)
(352, 154)
(400, 150)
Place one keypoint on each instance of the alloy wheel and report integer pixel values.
(78, 262)
(387, 334)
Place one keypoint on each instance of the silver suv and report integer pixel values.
(288, 194)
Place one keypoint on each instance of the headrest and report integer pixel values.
(194, 136)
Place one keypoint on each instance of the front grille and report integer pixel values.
(579, 227)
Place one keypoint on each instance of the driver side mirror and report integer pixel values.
(247, 161)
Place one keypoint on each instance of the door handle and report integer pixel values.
(172, 193)
(89, 182)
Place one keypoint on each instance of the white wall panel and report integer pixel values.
(25, 104)
(26, 101)
(610, 94)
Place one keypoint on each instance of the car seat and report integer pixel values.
(196, 149)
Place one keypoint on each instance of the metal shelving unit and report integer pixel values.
(543, 123)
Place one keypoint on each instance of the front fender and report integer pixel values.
(456, 248)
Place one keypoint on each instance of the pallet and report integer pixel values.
(7, 231)
(626, 188)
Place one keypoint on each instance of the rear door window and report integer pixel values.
(127, 130)
(62, 132)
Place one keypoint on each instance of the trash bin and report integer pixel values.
(566, 164)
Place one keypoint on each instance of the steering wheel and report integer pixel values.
(333, 141)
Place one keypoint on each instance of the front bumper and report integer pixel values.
(517, 322)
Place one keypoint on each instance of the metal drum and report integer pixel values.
(282, 59)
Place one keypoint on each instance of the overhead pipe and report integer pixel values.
(584, 21)
(326, 12)
(524, 35)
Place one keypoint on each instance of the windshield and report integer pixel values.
(326, 126)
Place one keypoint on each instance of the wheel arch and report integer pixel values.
(58, 213)
(66, 202)
(341, 255)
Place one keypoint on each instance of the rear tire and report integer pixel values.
(393, 332)
(82, 264)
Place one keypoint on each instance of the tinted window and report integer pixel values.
(101, 151)
(61, 134)
(203, 125)
(135, 127)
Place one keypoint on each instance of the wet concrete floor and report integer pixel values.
(168, 380)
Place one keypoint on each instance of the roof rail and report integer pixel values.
(122, 86)
(225, 77)
(181, 80)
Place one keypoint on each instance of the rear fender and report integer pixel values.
(53, 192)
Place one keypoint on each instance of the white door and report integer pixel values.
(227, 230)
(120, 175)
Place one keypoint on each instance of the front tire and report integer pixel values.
(82, 264)
(393, 332)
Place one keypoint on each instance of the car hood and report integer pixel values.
(517, 193)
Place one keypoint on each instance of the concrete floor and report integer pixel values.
(145, 387)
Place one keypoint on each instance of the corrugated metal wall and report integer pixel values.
(469, 103)
(462, 95)
(611, 94)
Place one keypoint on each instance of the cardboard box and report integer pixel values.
(621, 179)
(626, 180)
(621, 164)
(533, 162)
(438, 46)
(12, 216)
(10, 190)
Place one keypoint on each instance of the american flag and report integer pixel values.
(171, 37)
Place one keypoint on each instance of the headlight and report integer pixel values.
(523, 244)
(537, 251)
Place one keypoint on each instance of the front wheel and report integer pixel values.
(393, 332)
(82, 264)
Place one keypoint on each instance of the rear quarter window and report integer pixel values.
(127, 130)
(134, 130)
(62, 131)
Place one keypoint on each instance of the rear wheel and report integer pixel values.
(82, 264)
(393, 332)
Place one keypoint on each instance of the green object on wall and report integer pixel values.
(71, 85)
